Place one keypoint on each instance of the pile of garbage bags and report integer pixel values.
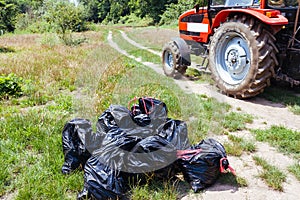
(131, 143)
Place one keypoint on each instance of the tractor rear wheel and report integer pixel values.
(242, 57)
(171, 60)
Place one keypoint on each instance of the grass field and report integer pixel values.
(60, 83)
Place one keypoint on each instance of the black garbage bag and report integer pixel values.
(175, 132)
(102, 182)
(148, 111)
(145, 105)
(149, 157)
(74, 144)
(201, 168)
(122, 135)
(133, 144)
(130, 150)
(153, 156)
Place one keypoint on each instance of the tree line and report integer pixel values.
(52, 15)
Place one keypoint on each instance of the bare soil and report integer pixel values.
(265, 113)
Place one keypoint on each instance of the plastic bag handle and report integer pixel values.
(152, 104)
(143, 99)
(132, 100)
(222, 167)
(187, 154)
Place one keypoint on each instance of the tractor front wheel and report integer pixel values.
(171, 60)
(242, 57)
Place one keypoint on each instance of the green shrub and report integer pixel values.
(6, 50)
(174, 10)
(40, 26)
(66, 18)
(10, 85)
(8, 12)
(22, 21)
(132, 19)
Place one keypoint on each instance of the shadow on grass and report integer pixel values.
(226, 182)
(282, 94)
(277, 95)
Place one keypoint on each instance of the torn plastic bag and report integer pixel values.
(202, 169)
(74, 145)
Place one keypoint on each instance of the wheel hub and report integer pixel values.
(169, 60)
(236, 60)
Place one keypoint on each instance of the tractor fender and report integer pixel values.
(279, 20)
(184, 51)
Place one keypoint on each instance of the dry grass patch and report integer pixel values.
(152, 37)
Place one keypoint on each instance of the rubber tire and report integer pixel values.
(261, 44)
(175, 69)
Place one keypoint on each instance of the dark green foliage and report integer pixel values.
(38, 16)
(174, 10)
(104, 8)
(7, 15)
(93, 9)
(66, 16)
(153, 8)
(110, 11)
(29, 5)
(117, 9)
(13, 10)
(42, 15)
(6, 50)
(107, 11)
(10, 85)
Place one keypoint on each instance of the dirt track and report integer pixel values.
(266, 114)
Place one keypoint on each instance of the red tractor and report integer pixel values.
(247, 43)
